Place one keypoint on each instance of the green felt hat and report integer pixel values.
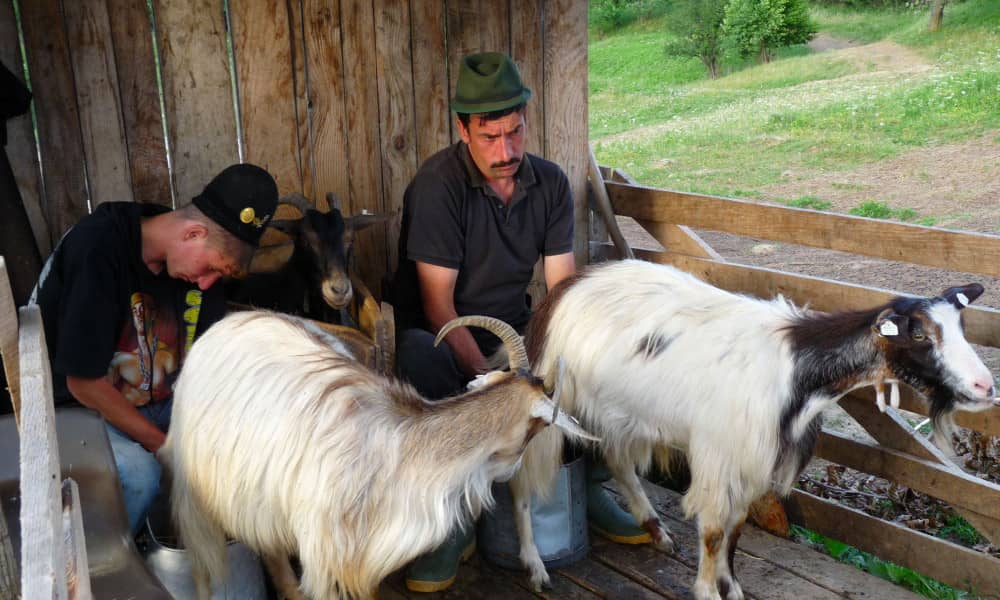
(488, 82)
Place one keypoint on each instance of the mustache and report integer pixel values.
(501, 164)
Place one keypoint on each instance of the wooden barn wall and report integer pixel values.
(342, 96)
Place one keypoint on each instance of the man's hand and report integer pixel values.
(437, 289)
(105, 398)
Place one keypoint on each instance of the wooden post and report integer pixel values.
(8, 341)
(604, 207)
(42, 549)
(9, 581)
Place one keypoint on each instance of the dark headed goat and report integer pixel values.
(314, 282)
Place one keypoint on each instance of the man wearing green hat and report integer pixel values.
(124, 295)
(476, 218)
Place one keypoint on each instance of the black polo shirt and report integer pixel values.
(452, 218)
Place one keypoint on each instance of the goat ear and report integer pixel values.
(544, 409)
(962, 296)
(359, 222)
(286, 226)
(333, 200)
(891, 326)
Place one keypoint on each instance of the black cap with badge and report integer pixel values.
(242, 199)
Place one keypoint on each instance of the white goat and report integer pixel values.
(292, 447)
(657, 359)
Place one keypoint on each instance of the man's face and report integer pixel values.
(496, 146)
(196, 261)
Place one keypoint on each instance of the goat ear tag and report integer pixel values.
(888, 328)
(962, 299)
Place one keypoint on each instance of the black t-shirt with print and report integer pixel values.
(95, 294)
(452, 218)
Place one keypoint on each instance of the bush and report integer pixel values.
(605, 16)
(698, 27)
(759, 27)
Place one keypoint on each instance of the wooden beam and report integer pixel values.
(60, 144)
(430, 78)
(43, 556)
(95, 72)
(945, 561)
(326, 154)
(397, 115)
(565, 98)
(77, 565)
(931, 246)
(955, 487)
(8, 341)
(10, 580)
(198, 91)
(131, 31)
(604, 206)
(262, 45)
(892, 431)
(982, 323)
(527, 50)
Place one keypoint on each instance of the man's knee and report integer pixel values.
(432, 370)
(139, 473)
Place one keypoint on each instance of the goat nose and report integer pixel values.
(985, 387)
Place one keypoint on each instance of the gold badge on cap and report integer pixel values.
(247, 215)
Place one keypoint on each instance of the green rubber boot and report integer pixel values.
(605, 516)
(436, 570)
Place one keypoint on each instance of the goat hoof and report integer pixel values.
(705, 591)
(666, 544)
(730, 588)
(540, 581)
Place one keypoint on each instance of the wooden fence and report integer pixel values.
(146, 101)
(900, 455)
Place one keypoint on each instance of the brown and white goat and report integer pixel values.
(284, 442)
(657, 359)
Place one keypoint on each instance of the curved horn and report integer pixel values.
(298, 201)
(507, 334)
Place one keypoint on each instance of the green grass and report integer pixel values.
(880, 210)
(658, 117)
(925, 586)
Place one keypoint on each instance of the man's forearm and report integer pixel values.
(470, 358)
(103, 397)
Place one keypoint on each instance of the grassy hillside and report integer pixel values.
(659, 118)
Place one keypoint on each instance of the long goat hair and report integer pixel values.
(281, 440)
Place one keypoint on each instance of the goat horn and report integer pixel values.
(518, 356)
(333, 200)
(298, 201)
(560, 374)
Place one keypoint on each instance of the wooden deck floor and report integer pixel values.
(769, 568)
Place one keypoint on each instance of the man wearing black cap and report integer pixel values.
(124, 295)
(476, 218)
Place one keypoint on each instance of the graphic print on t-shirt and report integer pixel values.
(146, 358)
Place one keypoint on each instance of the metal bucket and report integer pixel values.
(559, 526)
(173, 567)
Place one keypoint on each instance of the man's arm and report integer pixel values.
(103, 397)
(558, 267)
(437, 289)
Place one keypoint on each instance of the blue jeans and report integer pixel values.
(433, 371)
(138, 469)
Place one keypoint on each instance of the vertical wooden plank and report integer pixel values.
(101, 127)
(526, 48)
(199, 100)
(463, 38)
(61, 147)
(300, 79)
(131, 32)
(363, 145)
(77, 565)
(396, 107)
(42, 551)
(326, 92)
(266, 78)
(566, 103)
(494, 22)
(21, 148)
(430, 77)
(8, 341)
(10, 582)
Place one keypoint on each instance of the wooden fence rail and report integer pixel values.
(899, 454)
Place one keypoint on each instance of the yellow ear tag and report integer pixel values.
(247, 215)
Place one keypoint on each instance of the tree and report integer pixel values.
(759, 27)
(937, 14)
(698, 27)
